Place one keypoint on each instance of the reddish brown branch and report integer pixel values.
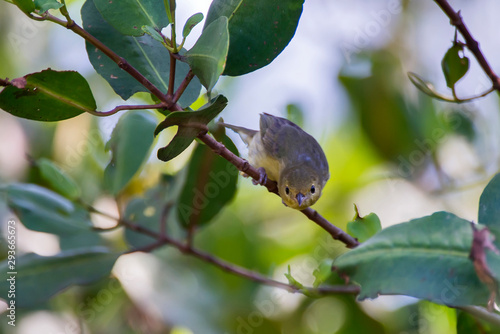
(471, 43)
(121, 62)
(182, 87)
(162, 240)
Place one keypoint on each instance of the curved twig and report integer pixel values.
(470, 42)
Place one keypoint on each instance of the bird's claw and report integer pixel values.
(262, 177)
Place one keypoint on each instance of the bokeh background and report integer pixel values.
(343, 77)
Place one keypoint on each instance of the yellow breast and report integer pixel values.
(258, 157)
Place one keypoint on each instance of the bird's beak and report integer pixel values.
(300, 198)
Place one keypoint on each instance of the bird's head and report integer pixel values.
(300, 187)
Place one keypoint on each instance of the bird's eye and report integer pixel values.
(313, 189)
(287, 190)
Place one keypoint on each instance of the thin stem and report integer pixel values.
(127, 107)
(244, 166)
(472, 44)
(182, 87)
(171, 79)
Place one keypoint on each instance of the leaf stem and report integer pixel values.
(127, 107)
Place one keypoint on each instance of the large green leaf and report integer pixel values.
(207, 57)
(426, 258)
(128, 16)
(40, 277)
(489, 204)
(489, 213)
(130, 144)
(259, 30)
(144, 53)
(210, 185)
(40, 209)
(189, 124)
(48, 96)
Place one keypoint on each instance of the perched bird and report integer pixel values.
(289, 156)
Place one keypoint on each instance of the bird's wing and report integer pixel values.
(275, 132)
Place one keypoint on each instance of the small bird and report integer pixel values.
(289, 156)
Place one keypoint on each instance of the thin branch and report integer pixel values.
(244, 166)
(472, 44)
(121, 62)
(162, 240)
(127, 107)
(182, 87)
(171, 79)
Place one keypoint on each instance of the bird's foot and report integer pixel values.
(262, 177)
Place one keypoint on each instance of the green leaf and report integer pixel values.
(58, 179)
(427, 88)
(489, 204)
(153, 33)
(259, 30)
(45, 5)
(489, 210)
(130, 144)
(207, 57)
(128, 16)
(42, 210)
(363, 228)
(144, 53)
(189, 124)
(454, 66)
(27, 6)
(426, 258)
(191, 23)
(210, 185)
(48, 96)
(38, 277)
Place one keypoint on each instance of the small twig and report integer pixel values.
(127, 107)
(171, 79)
(121, 62)
(162, 239)
(182, 87)
(271, 186)
(471, 43)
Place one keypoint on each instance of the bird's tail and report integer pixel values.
(245, 134)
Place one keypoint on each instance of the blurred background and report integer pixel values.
(343, 78)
